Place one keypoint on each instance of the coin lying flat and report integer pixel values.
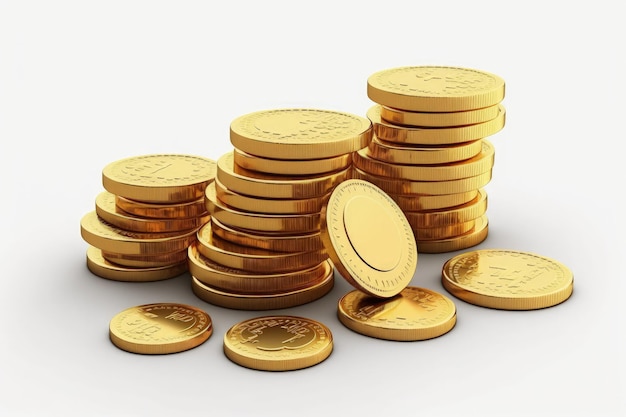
(291, 166)
(414, 314)
(369, 239)
(435, 88)
(507, 279)
(105, 268)
(159, 178)
(278, 343)
(162, 210)
(440, 119)
(160, 328)
(472, 237)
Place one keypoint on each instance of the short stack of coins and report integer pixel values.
(429, 151)
(262, 248)
(147, 217)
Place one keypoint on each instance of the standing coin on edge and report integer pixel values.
(507, 279)
(278, 343)
(160, 328)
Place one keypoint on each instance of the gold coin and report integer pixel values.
(401, 186)
(276, 242)
(285, 223)
(472, 167)
(278, 343)
(300, 133)
(104, 268)
(368, 238)
(265, 205)
(507, 279)
(253, 259)
(447, 217)
(257, 184)
(434, 136)
(109, 238)
(278, 300)
(408, 154)
(159, 178)
(145, 261)
(195, 208)
(160, 328)
(414, 314)
(108, 211)
(418, 202)
(430, 119)
(441, 232)
(291, 166)
(235, 280)
(466, 240)
(435, 88)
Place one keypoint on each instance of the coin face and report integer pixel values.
(160, 328)
(278, 343)
(414, 314)
(159, 178)
(300, 133)
(507, 279)
(369, 239)
(435, 88)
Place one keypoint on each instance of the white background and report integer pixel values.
(85, 83)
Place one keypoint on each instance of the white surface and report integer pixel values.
(85, 83)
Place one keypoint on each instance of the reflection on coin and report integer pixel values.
(435, 88)
(159, 178)
(291, 166)
(278, 343)
(163, 210)
(440, 119)
(414, 314)
(160, 328)
(408, 154)
(507, 279)
(466, 240)
(369, 239)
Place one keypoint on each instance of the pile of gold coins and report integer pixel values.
(262, 249)
(429, 151)
(148, 215)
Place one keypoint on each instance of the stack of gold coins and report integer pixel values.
(148, 215)
(262, 247)
(429, 151)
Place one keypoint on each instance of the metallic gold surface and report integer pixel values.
(447, 217)
(434, 136)
(472, 238)
(422, 154)
(419, 202)
(235, 280)
(300, 133)
(193, 208)
(109, 238)
(441, 232)
(414, 314)
(472, 167)
(430, 119)
(285, 223)
(253, 259)
(257, 184)
(291, 166)
(278, 300)
(277, 242)
(401, 186)
(159, 178)
(369, 239)
(108, 211)
(103, 268)
(278, 343)
(435, 88)
(145, 261)
(266, 205)
(160, 328)
(507, 279)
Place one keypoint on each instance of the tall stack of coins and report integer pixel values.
(429, 151)
(148, 215)
(262, 247)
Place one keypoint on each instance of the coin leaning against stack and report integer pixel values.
(262, 248)
(148, 215)
(429, 150)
